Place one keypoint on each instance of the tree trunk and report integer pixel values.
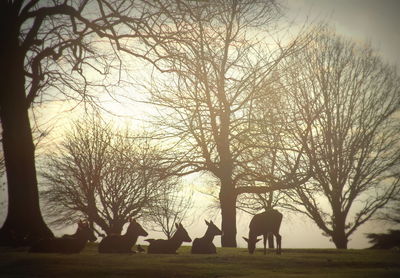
(228, 213)
(24, 223)
(339, 239)
(339, 236)
(115, 228)
(227, 194)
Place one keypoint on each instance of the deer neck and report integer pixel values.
(176, 241)
(209, 236)
(130, 237)
(252, 236)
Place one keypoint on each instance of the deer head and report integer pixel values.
(213, 229)
(251, 244)
(136, 228)
(182, 233)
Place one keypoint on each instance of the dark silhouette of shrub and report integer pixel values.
(385, 241)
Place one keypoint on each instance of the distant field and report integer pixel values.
(229, 262)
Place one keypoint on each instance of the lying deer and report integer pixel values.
(264, 224)
(122, 243)
(71, 244)
(169, 246)
(205, 245)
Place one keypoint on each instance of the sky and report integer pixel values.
(376, 21)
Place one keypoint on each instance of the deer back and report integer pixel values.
(73, 244)
(122, 243)
(266, 222)
(169, 246)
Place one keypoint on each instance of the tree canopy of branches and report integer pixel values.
(171, 208)
(348, 99)
(274, 153)
(215, 60)
(104, 175)
(50, 49)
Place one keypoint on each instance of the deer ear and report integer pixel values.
(208, 223)
(176, 225)
(246, 239)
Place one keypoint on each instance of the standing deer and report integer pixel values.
(263, 224)
(71, 244)
(122, 243)
(169, 246)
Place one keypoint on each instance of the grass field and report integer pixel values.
(229, 262)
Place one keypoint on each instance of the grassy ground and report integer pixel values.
(229, 262)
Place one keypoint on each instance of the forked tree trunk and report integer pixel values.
(228, 214)
(24, 223)
(115, 228)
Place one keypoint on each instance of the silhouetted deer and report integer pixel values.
(69, 244)
(263, 224)
(169, 246)
(205, 245)
(122, 243)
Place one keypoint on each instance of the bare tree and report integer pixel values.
(347, 99)
(272, 150)
(214, 62)
(53, 47)
(273, 153)
(171, 208)
(103, 174)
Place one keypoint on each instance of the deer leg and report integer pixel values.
(271, 241)
(278, 243)
(265, 236)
